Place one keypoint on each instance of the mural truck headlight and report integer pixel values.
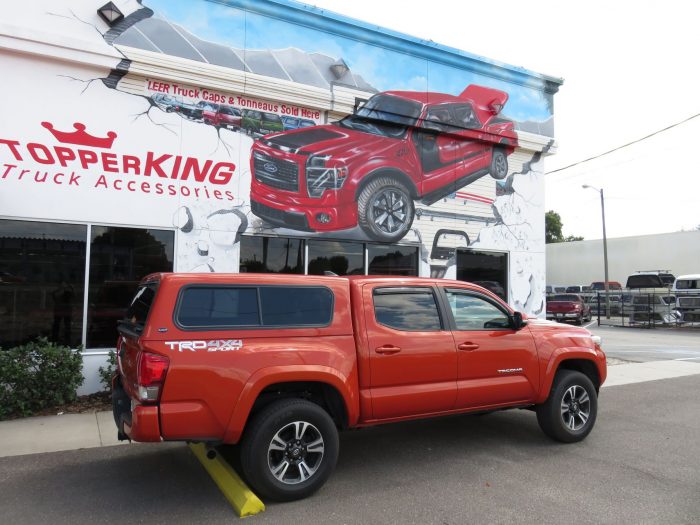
(321, 176)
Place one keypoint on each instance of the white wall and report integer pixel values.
(582, 262)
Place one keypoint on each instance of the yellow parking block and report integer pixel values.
(243, 500)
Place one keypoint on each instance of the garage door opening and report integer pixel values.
(485, 268)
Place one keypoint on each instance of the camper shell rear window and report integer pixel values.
(224, 307)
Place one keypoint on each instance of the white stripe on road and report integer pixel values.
(686, 358)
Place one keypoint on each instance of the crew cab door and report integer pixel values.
(413, 361)
(437, 148)
(496, 363)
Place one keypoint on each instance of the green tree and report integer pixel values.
(553, 227)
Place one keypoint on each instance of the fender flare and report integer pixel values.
(265, 377)
(565, 354)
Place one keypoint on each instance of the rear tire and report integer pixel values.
(569, 413)
(499, 164)
(289, 450)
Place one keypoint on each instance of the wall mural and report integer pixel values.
(431, 154)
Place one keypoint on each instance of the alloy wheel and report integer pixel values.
(389, 211)
(295, 452)
(575, 407)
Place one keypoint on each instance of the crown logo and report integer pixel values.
(81, 137)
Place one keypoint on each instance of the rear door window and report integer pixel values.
(407, 309)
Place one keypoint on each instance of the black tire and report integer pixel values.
(379, 196)
(579, 321)
(569, 426)
(499, 164)
(260, 456)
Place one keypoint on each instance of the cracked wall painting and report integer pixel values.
(430, 156)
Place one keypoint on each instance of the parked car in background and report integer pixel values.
(261, 122)
(578, 288)
(190, 110)
(651, 279)
(600, 286)
(551, 289)
(568, 307)
(296, 123)
(223, 117)
(165, 102)
(652, 308)
(686, 289)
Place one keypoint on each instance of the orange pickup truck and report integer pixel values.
(281, 363)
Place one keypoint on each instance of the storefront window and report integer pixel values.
(119, 259)
(487, 269)
(341, 258)
(392, 260)
(271, 255)
(42, 275)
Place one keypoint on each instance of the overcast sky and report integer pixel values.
(629, 69)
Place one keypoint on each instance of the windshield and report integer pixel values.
(384, 115)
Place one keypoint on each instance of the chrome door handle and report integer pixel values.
(387, 349)
(467, 347)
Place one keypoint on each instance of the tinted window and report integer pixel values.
(221, 306)
(667, 278)
(644, 281)
(474, 313)
(687, 284)
(140, 305)
(42, 275)
(410, 311)
(271, 255)
(477, 266)
(296, 306)
(119, 259)
(392, 260)
(341, 258)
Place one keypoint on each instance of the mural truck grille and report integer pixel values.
(280, 174)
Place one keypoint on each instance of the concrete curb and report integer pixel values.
(650, 371)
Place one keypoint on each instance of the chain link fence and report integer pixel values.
(644, 308)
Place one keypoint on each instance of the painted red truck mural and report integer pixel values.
(370, 167)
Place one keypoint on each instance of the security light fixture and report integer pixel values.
(339, 68)
(110, 13)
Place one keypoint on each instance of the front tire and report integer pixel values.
(289, 450)
(499, 164)
(570, 411)
(385, 210)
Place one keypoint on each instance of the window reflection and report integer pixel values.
(271, 255)
(392, 260)
(411, 312)
(119, 259)
(341, 258)
(475, 313)
(487, 269)
(42, 275)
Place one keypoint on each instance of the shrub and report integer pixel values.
(37, 375)
(106, 372)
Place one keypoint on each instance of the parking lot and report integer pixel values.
(641, 464)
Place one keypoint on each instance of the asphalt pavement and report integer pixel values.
(650, 344)
(641, 464)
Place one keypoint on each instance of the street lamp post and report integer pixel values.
(605, 249)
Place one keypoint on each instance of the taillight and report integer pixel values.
(151, 375)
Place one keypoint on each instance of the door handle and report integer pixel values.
(387, 349)
(468, 347)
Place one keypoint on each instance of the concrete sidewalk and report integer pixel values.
(34, 435)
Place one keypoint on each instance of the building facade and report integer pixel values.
(265, 136)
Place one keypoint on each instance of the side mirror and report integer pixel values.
(518, 320)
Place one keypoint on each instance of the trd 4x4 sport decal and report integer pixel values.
(217, 345)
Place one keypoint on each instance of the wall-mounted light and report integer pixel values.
(339, 68)
(110, 13)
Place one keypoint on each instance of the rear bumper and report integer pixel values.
(134, 422)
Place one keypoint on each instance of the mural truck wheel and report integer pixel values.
(499, 164)
(385, 210)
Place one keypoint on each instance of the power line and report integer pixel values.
(625, 145)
